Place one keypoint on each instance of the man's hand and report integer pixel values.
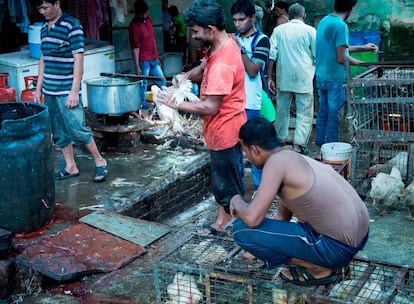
(167, 98)
(73, 100)
(233, 205)
(272, 86)
(370, 47)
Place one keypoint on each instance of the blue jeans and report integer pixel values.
(256, 172)
(277, 242)
(331, 104)
(150, 68)
(68, 125)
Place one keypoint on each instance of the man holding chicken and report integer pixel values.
(222, 102)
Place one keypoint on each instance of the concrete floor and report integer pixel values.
(391, 236)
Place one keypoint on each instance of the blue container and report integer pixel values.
(361, 38)
(364, 37)
(35, 40)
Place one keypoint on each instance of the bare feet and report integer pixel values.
(248, 256)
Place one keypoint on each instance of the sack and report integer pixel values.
(268, 110)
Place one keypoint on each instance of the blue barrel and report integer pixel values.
(361, 38)
(27, 189)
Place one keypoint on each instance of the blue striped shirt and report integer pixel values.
(59, 44)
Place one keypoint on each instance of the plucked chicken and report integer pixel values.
(180, 91)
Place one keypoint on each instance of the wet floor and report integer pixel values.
(391, 236)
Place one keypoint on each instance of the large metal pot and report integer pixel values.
(108, 95)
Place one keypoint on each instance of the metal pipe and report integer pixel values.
(133, 76)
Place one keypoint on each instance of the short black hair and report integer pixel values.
(173, 10)
(259, 132)
(282, 4)
(40, 2)
(344, 5)
(140, 7)
(205, 13)
(244, 7)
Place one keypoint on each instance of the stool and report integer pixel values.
(342, 167)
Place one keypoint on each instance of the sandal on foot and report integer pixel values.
(63, 174)
(208, 229)
(308, 279)
(101, 174)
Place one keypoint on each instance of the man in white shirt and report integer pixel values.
(292, 46)
(254, 48)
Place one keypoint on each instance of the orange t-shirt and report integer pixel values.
(224, 75)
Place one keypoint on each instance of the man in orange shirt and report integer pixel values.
(222, 105)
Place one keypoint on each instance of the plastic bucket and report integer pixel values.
(171, 63)
(337, 153)
(35, 40)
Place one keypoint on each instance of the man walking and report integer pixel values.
(293, 49)
(60, 75)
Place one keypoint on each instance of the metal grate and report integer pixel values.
(381, 121)
(381, 103)
(208, 269)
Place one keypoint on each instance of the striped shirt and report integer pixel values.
(59, 44)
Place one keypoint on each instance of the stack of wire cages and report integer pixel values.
(209, 270)
(380, 114)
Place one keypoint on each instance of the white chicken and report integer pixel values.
(386, 189)
(183, 290)
(407, 196)
(181, 92)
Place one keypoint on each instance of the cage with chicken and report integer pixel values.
(380, 115)
(208, 269)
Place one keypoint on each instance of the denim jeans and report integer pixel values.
(331, 104)
(277, 242)
(150, 68)
(68, 125)
(304, 116)
(256, 172)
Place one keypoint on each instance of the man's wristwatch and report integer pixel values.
(243, 50)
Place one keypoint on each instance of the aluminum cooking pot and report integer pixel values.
(113, 95)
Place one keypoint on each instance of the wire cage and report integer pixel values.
(365, 282)
(209, 270)
(380, 114)
(371, 158)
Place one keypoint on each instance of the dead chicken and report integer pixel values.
(386, 189)
(181, 91)
(407, 197)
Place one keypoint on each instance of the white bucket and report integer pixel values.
(171, 63)
(338, 153)
(34, 39)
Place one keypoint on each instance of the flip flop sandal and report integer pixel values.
(101, 174)
(308, 279)
(63, 174)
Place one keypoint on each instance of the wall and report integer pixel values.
(393, 18)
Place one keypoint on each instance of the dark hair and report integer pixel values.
(344, 5)
(244, 7)
(283, 5)
(40, 2)
(259, 132)
(204, 13)
(173, 10)
(140, 7)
